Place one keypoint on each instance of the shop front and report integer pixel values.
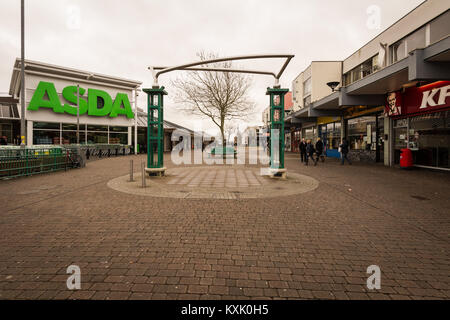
(295, 139)
(66, 106)
(309, 131)
(329, 130)
(421, 122)
(365, 133)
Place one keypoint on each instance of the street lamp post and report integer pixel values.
(22, 74)
(78, 114)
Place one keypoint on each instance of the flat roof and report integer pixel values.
(51, 69)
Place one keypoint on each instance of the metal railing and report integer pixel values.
(99, 151)
(17, 162)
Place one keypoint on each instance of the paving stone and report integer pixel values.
(311, 245)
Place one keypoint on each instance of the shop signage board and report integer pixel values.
(418, 100)
(357, 111)
(45, 96)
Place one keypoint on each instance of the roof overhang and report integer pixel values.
(439, 51)
(329, 102)
(383, 81)
(431, 63)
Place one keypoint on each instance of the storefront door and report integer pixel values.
(429, 139)
(380, 138)
(400, 137)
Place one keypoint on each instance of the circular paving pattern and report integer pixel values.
(215, 182)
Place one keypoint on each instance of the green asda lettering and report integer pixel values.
(45, 96)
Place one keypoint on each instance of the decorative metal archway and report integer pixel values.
(155, 114)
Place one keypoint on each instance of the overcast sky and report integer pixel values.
(122, 38)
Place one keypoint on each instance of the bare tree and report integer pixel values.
(220, 96)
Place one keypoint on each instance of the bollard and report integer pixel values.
(143, 174)
(131, 171)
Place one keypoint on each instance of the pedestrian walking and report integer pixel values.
(344, 149)
(319, 150)
(302, 148)
(310, 153)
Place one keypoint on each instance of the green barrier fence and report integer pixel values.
(17, 162)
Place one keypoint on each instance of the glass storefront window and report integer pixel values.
(97, 128)
(429, 139)
(46, 136)
(296, 141)
(400, 137)
(331, 135)
(97, 137)
(118, 129)
(70, 126)
(6, 130)
(46, 125)
(71, 137)
(118, 138)
(308, 133)
(330, 127)
(360, 133)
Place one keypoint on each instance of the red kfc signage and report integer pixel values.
(416, 100)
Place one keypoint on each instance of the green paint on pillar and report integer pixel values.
(276, 123)
(155, 127)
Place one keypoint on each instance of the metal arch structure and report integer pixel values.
(193, 66)
(156, 94)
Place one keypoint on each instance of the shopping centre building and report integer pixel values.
(107, 114)
(393, 93)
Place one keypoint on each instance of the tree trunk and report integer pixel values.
(222, 132)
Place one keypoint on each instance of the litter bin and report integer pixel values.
(406, 160)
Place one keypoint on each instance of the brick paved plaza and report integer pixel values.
(311, 245)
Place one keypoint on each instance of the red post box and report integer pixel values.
(406, 160)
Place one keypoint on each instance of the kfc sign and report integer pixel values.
(417, 100)
(429, 97)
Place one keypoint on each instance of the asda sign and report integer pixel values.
(97, 103)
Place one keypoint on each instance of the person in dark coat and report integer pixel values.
(345, 148)
(319, 150)
(302, 148)
(310, 153)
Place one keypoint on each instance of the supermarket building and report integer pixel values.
(108, 111)
(393, 94)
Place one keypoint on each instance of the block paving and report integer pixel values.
(312, 245)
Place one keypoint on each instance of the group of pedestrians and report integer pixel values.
(308, 149)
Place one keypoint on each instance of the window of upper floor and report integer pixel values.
(307, 87)
(435, 30)
(401, 48)
(364, 69)
(9, 111)
(306, 101)
(440, 27)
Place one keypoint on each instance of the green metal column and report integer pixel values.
(155, 128)
(277, 123)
